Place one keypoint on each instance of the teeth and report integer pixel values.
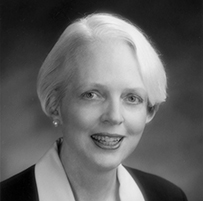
(106, 139)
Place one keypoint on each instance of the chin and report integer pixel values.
(107, 167)
(108, 163)
(109, 159)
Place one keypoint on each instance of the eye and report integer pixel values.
(133, 99)
(89, 95)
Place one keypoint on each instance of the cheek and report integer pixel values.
(135, 123)
(79, 117)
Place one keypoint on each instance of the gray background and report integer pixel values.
(172, 145)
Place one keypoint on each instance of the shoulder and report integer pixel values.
(20, 187)
(155, 187)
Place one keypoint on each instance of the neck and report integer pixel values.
(88, 183)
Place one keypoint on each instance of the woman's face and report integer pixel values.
(104, 111)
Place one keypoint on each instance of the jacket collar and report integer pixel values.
(53, 184)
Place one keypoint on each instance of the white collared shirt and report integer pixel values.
(53, 185)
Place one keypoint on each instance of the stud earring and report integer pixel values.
(55, 122)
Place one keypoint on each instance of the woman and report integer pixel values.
(101, 83)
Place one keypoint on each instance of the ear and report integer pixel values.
(152, 110)
(54, 106)
(56, 114)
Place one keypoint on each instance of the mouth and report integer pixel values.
(107, 141)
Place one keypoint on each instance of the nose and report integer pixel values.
(112, 114)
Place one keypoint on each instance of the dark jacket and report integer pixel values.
(22, 187)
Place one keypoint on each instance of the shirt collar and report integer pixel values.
(53, 185)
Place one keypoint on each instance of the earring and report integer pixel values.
(55, 122)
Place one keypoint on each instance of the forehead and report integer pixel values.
(101, 53)
(109, 63)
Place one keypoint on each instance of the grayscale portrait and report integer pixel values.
(101, 101)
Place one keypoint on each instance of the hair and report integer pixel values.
(59, 67)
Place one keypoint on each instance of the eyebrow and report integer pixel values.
(93, 85)
(101, 86)
(139, 90)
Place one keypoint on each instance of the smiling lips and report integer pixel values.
(107, 141)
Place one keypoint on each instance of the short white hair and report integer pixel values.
(59, 67)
